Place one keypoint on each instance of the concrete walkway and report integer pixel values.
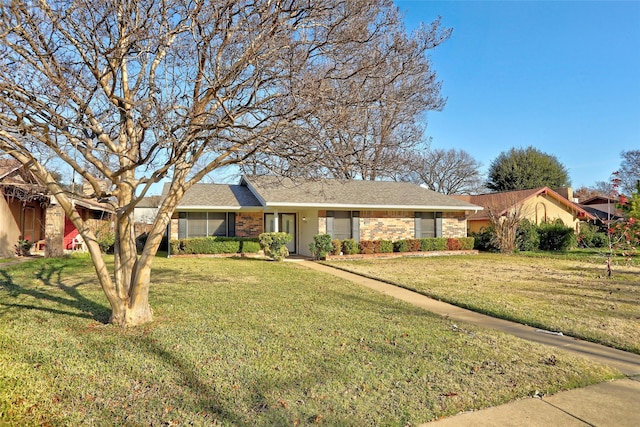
(615, 403)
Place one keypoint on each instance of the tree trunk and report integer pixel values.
(131, 314)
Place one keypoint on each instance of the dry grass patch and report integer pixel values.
(571, 296)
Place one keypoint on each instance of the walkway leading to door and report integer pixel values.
(608, 404)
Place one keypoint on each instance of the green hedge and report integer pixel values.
(214, 245)
(433, 244)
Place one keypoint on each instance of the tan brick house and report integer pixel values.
(361, 210)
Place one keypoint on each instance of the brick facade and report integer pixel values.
(454, 224)
(398, 225)
(249, 224)
(386, 225)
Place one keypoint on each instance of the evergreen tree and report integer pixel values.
(524, 168)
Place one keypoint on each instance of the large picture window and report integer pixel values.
(203, 224)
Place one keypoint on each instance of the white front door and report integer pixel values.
(286, 224)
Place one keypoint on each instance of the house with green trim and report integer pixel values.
(345, 209)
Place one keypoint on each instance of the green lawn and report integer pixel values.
(571, 295)
(250, 342)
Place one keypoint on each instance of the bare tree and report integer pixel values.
(505, 225)
(370, 120)
(630, 171)
(133, 92)
(445, 171)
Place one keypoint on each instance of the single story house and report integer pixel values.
(538, 205)
(351, 209)
(23, 207)
(29, 212)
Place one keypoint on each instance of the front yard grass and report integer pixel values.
(568, 295)
(249, 342)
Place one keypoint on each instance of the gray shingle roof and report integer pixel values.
(275, 191)
(217, 195)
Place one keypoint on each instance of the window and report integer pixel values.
(343, 224)
(428, 224)
(202, 224)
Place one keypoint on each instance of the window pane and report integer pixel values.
(342, 225)
(217, 224)
(197, 225)
(428, 225)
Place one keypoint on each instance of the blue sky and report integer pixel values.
(562, 76)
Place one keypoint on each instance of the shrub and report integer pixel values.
(275, 245)
(369, 246)
(527, 236)
(321, 246)
(249, 246)
(175, 246)
(400, 246)
(337, 247)
(466, 243)
(106, 238)
(413, 245)
(556, 237)
(433, 244)
(484, 241)
(453, 244)
(386, 247)
(349, 247)
(590, 237)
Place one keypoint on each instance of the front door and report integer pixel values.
(286, 223)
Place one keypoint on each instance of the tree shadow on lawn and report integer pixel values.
(51, 277)
(210, 403)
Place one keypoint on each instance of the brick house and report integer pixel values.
(361, 210)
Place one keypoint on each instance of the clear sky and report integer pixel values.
(562, 76)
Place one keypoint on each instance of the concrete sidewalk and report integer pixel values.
(615, 403)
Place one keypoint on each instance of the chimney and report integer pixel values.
(567, 193)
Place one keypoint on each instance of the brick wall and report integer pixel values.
(454, 224)
(249, 224)
(386, 225)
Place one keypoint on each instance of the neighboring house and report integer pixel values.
(22, 207)
(146, 211)
(603, 208)
(361, 210)
(28, 212)
(538, 205)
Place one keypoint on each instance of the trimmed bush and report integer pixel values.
(213, 245)
(433, 244)
(369, 246)
(453, 244)
(466, 243)
(527, 236)
(249, 246)
(321, 246)
(386, 247)
(413, 245)
(556, 237)
(349, 247)
(274, 245)
(337, 247)
(400, 246)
